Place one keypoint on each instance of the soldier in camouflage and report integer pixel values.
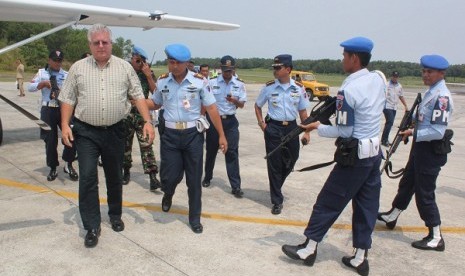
(135, 124)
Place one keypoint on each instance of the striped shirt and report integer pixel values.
(101, 95)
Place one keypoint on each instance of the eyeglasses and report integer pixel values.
(103, 42)
(277, 68)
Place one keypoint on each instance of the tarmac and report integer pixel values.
(41, 231)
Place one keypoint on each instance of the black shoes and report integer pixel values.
(237, 192)
(276, 210)
(71, 172)
(197, 228)
(52, 175)
(206, 183)
(126, 176)
(154, 182)
(91, 238)
(423, 244)
(291, 252)
(166, 202)
(362, 269)
(389, 224)
(117, 225)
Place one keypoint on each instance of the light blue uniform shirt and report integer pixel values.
(182, 102)
(284, 100)
(221, 90)
(434, 112)
(359, 107)
(42, 75)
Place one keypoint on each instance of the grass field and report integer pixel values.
(258, 76)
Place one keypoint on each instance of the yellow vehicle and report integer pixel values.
(312, 87)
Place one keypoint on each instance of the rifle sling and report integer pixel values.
(317, 166)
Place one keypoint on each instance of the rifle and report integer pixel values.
(405, 124)
(322, 114)
(54, 90)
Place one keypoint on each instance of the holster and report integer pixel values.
(346, 151)
(443, 146)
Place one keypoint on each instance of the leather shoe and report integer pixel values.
(71, 172)
(237, 192)
(117, 225)
(291, 252)
(389, 224)
(206, 183)
(154, 182)
(91, 238)
(166, 202)
(362, 269)
(276, 210)
(423, 244)
(197, 228)
(126, 176)
(52, 175)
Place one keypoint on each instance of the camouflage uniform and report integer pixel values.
(135, 124)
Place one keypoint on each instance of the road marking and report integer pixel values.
(216, 216)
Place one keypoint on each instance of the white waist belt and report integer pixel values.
(51, 103)
(179, 125)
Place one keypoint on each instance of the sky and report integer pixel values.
(402, 30)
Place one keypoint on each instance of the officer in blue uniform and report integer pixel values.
(359, 109)
(182, 94)
(427, 155)
(50, 113)
(230, 94)
(286, 100)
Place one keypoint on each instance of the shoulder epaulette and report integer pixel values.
(199, 76)
(164, 76)
(239, 79)
(299, 84)
(270, 83)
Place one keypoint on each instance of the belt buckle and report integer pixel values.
(181, 125)
(224, 116)
(285, 123)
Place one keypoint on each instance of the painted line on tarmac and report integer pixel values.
(216, 216)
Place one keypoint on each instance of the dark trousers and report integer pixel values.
(282, 162)
(52, 116)
(231, 131)
(91, 143)
(182, 151)
(361, 184)
(419, 178)
(389, 115)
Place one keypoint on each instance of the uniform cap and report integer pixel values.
(56, 54)
(395, 74)
(434, 62)
(282, 60)
(358, 44)
(227, 63)
(178, 52)
(139, 51)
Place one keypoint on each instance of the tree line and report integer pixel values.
(73, 42)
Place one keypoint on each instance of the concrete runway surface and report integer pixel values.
(41, 231)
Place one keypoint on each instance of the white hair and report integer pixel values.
(97, 28)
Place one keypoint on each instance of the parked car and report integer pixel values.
(312, 86)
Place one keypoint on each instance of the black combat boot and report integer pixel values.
(126, 175)
(154, 182)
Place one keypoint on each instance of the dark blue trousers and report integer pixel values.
(282, 162)
(91, 143)
(231, 131)
(52, 116)
(361, 184)
(182, 151)
(389, 115)
(419, 178)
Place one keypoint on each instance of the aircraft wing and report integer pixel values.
(57, 12)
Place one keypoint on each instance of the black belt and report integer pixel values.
(282, 123)
(224, 117)
(98, 127)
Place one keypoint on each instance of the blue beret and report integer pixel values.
(178, 52)
(139, 51)
(358, 44)
(282, 60)
(434, 62)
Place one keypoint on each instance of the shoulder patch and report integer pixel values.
(270, 83)
(299, 84)
(199, 76)
(164, 76)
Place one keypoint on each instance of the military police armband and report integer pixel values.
(441, 111)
